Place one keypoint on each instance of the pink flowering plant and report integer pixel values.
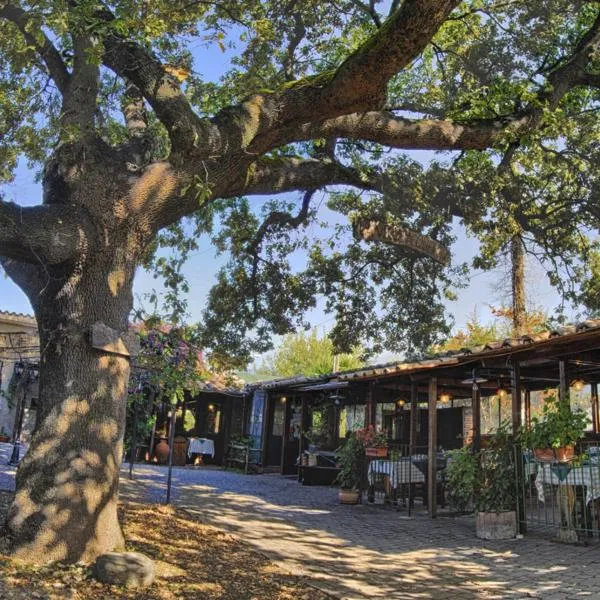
(369, 437)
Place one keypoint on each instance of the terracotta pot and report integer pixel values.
(349, 496)
(162, 452)
(376, 452)
(564, 454)
(4, 439)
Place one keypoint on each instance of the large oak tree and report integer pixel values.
(133, 142)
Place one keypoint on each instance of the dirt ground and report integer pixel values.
(193, 560)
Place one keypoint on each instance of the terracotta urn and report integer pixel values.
(162, 452)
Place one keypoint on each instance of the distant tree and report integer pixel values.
(308, 354)
(477, 333)
(474, 334)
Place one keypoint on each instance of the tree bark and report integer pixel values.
(518, 285)
(65, 508)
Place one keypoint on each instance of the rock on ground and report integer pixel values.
(130, 569)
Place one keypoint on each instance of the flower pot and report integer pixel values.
(376, 452)
(564, 454)
(162, 452)
(312, 460)
(4, 439)
(496, 526)
(349, 496)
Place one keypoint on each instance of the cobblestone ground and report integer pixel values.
(372, 552)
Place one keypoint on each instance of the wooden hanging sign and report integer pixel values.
(107, 339)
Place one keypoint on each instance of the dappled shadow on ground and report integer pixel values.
(367, 551)
(192, 561)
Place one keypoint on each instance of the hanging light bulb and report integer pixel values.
(401, 402)
(445, 398)
(501, 392)
(578, 384)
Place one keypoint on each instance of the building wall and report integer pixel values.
(19, 341)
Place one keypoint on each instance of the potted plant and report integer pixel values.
(350, 457)
(484, 481)
(4, 437)
(495, 489)
(554, 435)
(374, 442)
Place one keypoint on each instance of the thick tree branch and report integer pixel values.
(359, 84)
(80, 101)
(296, 174)
(378, 230)
(38, 40)
(46, 234)
(136, 65)
(438, 134)
(423, 134)
(274, 176)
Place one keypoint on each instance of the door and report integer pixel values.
(276, 432)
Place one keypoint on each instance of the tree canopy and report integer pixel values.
(315, 97)
(308, 354)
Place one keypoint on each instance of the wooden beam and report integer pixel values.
(414, 416)
(563, 386)
(432, 450)
(371, 404)
(476, 408)
(527, 408)
(515, 381)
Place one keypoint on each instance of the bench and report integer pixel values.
(315, 475)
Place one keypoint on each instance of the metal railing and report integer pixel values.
(399, 479)
(563, 497)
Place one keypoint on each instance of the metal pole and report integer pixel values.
(133, 438)
(432, 449)
(171, 443)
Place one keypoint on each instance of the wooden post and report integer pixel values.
(528, 408)
(432, 449)
(414, 415)
(476, 408)
(515, 377)
(563, 374)
(266, 426)
(371, 405)
(284, 439)
(595, 412)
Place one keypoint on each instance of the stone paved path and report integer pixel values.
(371, 552)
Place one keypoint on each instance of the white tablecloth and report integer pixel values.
(587, 475)
(201, 446)
(399, 471)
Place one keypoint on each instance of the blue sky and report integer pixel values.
(211, 63)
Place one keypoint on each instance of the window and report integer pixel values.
(352, 417)
(279, 418)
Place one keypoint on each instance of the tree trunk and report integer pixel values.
(65, 508)
(518, 285)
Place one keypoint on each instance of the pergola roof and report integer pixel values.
(538, 355)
